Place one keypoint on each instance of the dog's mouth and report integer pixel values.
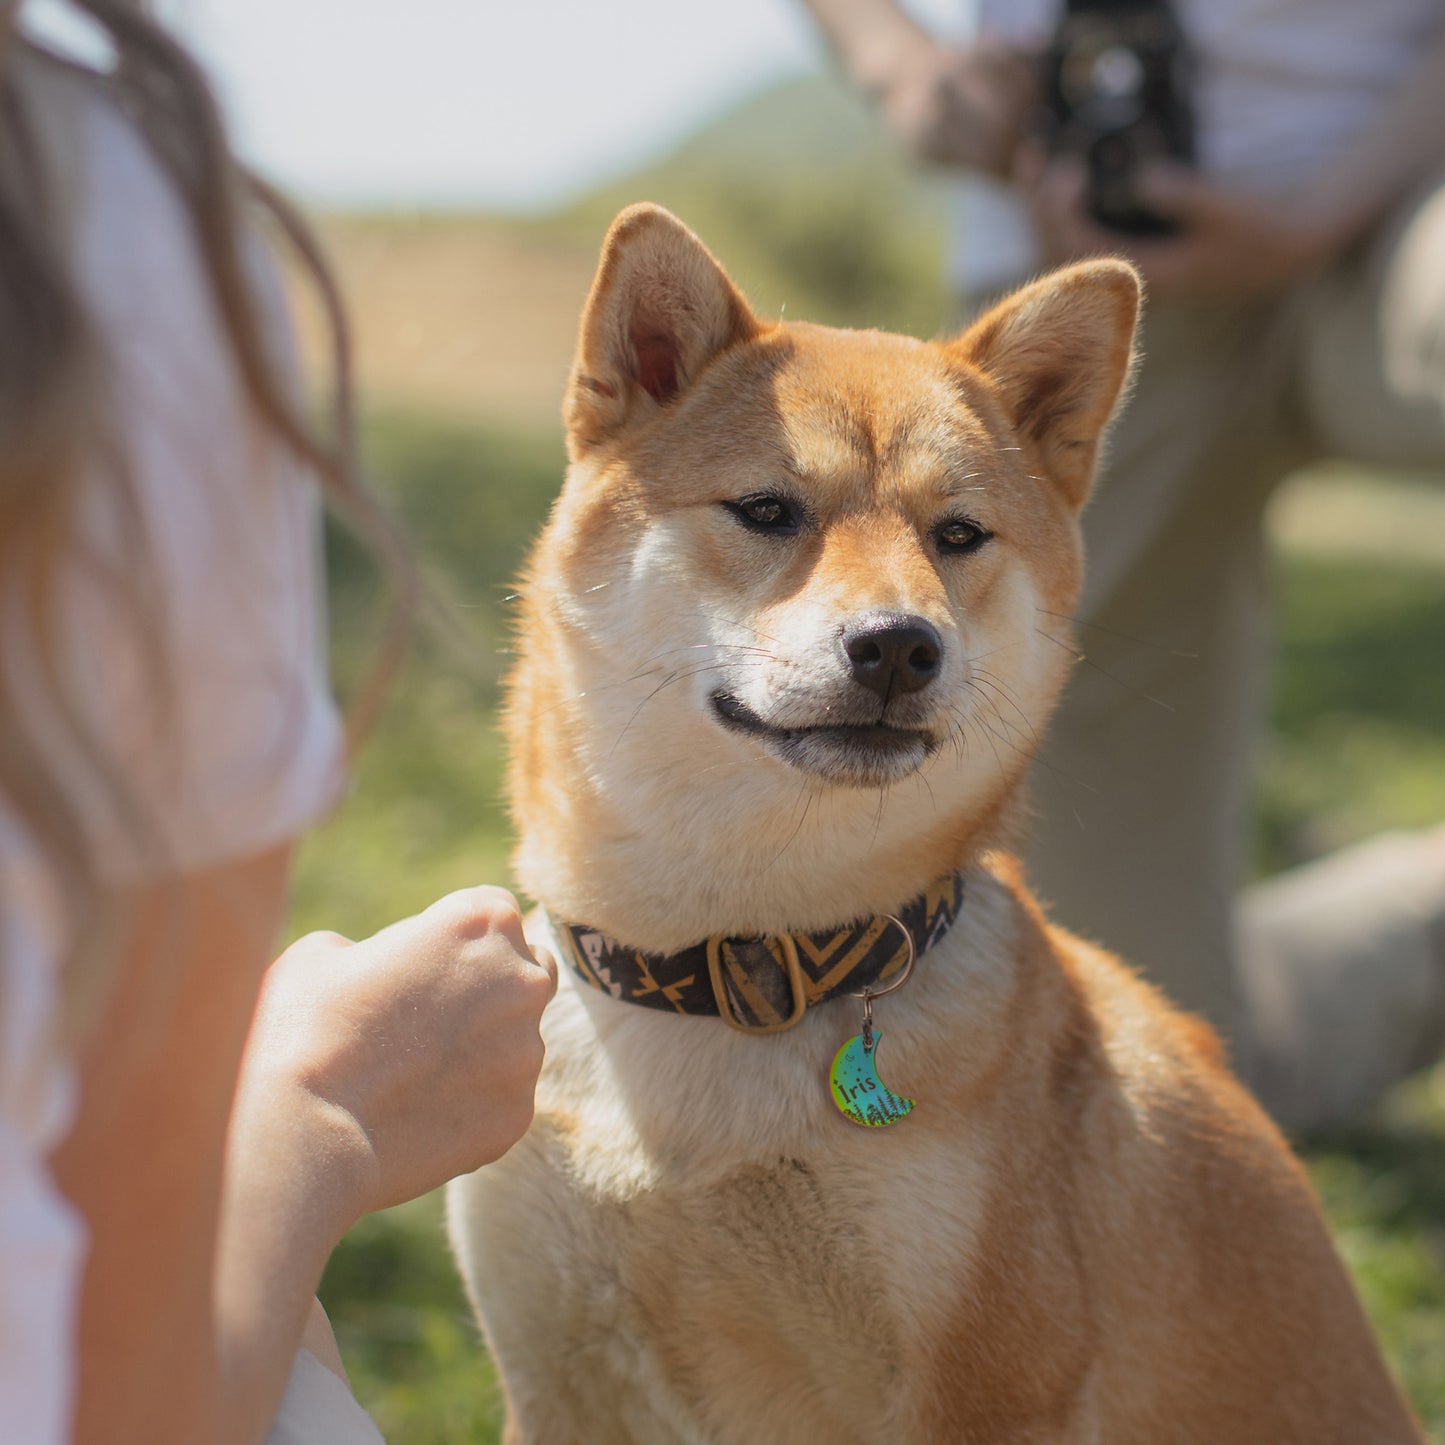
(861, 754)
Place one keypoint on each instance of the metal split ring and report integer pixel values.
(870, 993)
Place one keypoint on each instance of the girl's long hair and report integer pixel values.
(53, 385)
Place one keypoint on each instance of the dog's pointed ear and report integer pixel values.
(1059, 354)
(660, 309)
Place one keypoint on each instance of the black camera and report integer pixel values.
(1117, 88)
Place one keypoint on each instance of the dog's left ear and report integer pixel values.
(661, 308)
(1059, 353)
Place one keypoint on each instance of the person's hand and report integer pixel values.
(413, 1055)
(1227, 244)
(959, 106)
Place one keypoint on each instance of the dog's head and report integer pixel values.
(806, 590)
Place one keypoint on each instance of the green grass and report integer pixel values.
(425, 814)
(407, 1333)
(1358, 740)
(1356, 746)
(1383, 1188)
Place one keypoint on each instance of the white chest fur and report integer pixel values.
(693, 1244)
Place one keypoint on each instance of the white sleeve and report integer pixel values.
(318, 1409)
(241, 746)
(225, 729)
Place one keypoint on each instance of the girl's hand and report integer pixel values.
(413, 1054)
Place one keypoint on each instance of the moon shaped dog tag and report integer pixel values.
(858, 1091)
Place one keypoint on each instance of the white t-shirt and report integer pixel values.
(318, 1409)
(1283, 88)
(253, 753)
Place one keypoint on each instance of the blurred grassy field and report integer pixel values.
(465, 329)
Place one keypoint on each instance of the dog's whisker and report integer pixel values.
(969, 734)
(993, 741)
(617, 741)
(1015, 729)
(1036, 760)
(994, 690)
(651, 667)
(878, 816)
(955, 735)
(960, 734)
(635, 677)
(723, 765)
(675, 675)
(808, 794)
(761, 652)
(992, 652)
(748, 627)
(989, 709)
(1104, 672)
(932, 796)
(1076, 621)
(586, 692)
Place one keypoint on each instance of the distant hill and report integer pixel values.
(793, 129)
(797, 192)
(808, 204)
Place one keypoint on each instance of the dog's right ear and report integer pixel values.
(660, 309)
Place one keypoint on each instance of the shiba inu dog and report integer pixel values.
(785, 648)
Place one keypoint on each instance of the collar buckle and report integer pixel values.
(725, 1007)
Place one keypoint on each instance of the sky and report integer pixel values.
(511, 104)
(504, 102)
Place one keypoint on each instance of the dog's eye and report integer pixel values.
(958, 534)
(764, 512)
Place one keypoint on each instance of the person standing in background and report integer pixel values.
(185, 1131)
(1296, 311)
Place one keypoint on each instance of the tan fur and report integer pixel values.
(1086, 1231)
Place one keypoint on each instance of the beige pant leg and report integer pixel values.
(1343, 961)
(1143, 786)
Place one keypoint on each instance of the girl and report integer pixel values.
(185, 1134)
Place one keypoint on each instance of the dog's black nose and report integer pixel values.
(893, 654)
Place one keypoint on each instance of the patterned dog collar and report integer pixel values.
(763, 985)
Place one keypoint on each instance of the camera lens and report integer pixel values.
(1117, 73)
